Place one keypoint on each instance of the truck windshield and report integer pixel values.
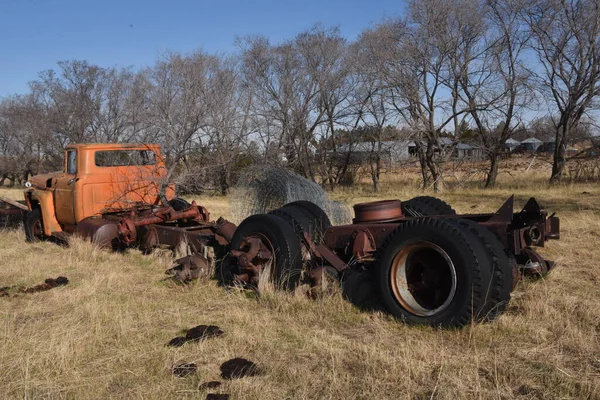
(121, 158)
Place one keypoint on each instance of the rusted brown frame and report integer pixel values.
(513, 229)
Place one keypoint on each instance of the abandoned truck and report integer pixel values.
(427, 264)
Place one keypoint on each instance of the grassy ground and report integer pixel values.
(104, 334)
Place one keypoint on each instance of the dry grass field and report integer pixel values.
(103, 335)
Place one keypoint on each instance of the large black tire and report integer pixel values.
(286, 246)
(299, 219)
(179, 204)
(501, 284)
(34, 225)
(444, 272)
(423, 206)
(305, 216)
(321, 219)
(360, 288)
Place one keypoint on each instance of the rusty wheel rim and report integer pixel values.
(255, 256)
(423, 278)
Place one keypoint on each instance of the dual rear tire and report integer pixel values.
(280, 234)
(423, 206)
(278, 240)
(443, 272)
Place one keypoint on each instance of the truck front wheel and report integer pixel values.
(34, 226)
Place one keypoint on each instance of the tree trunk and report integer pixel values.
(558, 163)
(493, 171)
(433, 167)
(223, 180)
(423, 165)
(436, 174)
(376, 173)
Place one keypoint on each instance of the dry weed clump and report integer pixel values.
(103, 335)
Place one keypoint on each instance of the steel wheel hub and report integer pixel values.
(423, 278)
(255, 255)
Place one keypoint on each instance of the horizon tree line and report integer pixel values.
(443, 66)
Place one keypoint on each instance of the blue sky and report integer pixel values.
(36, 34)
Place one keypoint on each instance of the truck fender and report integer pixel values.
(44, 200)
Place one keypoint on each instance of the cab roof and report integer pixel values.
(113, 146)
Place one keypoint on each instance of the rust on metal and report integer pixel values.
(341, 237)
(517, 231)
(165, 214)
(552, 228)
(149, 239)
(328, 255)
(11, 211)
(374, 222)
(225, 229)
(377, 211)
(256, 253)
(364, 244)
(102, 232)
(533, 263)
(127, 231)
(423, 278)
(189, 268)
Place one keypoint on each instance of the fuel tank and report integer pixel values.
(100, 231)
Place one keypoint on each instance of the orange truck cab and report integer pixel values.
(97, 179)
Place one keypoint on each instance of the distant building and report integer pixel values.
(530, 145)
(547, 147)
(511, 144)
(467, 151)
(391, 151)
(395, 151)
(446, 141)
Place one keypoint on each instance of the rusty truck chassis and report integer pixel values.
(359, 242)
(152, 226)
(338, 248)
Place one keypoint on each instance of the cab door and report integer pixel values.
(64, 193)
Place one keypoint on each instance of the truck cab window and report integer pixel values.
(71, 162)
(124, 158)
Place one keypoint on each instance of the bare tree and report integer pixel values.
(565, 36)
(306, 102)
(177, 89)
(113, 122)
(21, 126)
(297, 87)
(72, 99)
(494, 79)
(424, 82)
(227, 127)
(284, 98)
(370, 96)
(191, 105)
(82, 102)
(387, 46)
(330, 63)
